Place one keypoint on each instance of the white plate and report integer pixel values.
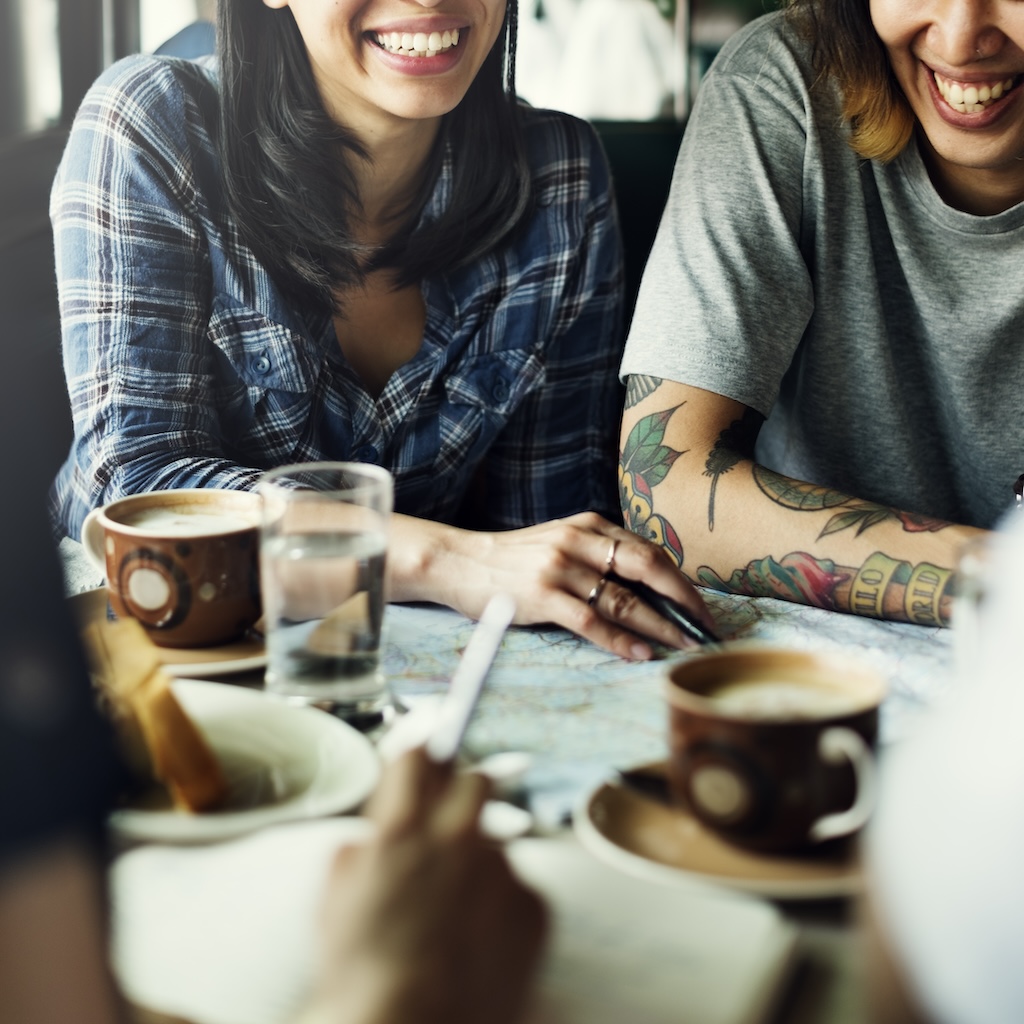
(650, 840)
(282, 762)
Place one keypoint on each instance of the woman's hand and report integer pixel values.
(425, 921)
(555, 571)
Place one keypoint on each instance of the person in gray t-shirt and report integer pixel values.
(826, 366)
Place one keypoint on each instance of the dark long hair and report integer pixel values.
(847, 50)
(287, 164)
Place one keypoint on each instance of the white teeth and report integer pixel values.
(418, 44)
(971, 99)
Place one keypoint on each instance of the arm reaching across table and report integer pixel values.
(688, 481)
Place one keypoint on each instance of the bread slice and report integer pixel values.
(159, 740)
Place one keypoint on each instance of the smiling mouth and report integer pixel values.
(972, 97)
(418, 44)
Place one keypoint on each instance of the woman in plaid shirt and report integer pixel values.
(344, 238)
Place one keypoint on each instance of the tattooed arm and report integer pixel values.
(688, 480)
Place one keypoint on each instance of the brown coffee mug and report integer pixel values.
(185, 562)
(772, 749)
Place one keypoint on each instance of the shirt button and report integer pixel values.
(262, 364)
(500, 392)
(365, 453)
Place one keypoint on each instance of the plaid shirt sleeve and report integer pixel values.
(557, 454)
(134, 281)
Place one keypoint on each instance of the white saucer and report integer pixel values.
(243, 655)
(648, 839)
(283, 763)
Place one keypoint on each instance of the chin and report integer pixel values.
(413, 110)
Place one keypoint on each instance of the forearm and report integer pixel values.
(53, 942)
(430, 561)
(737, 527)
(776, 537)
(418, 551)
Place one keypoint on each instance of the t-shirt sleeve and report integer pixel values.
(726, 294)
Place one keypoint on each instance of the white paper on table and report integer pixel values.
(226, 934)
(628, 949)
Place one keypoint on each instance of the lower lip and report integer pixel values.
(980, 120)
(436, 65)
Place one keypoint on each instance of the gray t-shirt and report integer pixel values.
(880, 330)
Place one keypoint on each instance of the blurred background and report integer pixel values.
(609, 59)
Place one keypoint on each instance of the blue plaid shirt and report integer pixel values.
(186, 367)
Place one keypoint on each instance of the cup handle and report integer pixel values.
(836, 745)
(92, 540)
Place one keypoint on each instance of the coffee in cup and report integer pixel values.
(772, 749)
(185, 562)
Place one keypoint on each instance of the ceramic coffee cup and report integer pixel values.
(772, 749)
(185, 563)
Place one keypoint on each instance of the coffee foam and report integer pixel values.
(187, 522)
(782, 699)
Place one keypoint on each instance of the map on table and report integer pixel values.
(582, 712)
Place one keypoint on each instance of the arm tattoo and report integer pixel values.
(638, 387)
(643, 464)
(881, 588)
(734, 443)
(852, 512)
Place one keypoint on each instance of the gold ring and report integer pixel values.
(596, 592)
(609, 562)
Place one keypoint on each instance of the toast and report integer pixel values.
(159, 740)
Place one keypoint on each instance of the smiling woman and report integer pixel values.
(345, 238)
(825, 364)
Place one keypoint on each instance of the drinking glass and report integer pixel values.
(322, 554)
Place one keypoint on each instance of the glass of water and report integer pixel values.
(322, 554)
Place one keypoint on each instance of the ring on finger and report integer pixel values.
(609, 562)
(595, 593)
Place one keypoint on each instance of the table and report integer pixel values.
(581, 713)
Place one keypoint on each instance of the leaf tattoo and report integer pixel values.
(644, 453)
(856, 515)
(645, 462)
(734, 443)
(797, 495)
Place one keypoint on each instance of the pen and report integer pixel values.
(468, 680)
(668, 609)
